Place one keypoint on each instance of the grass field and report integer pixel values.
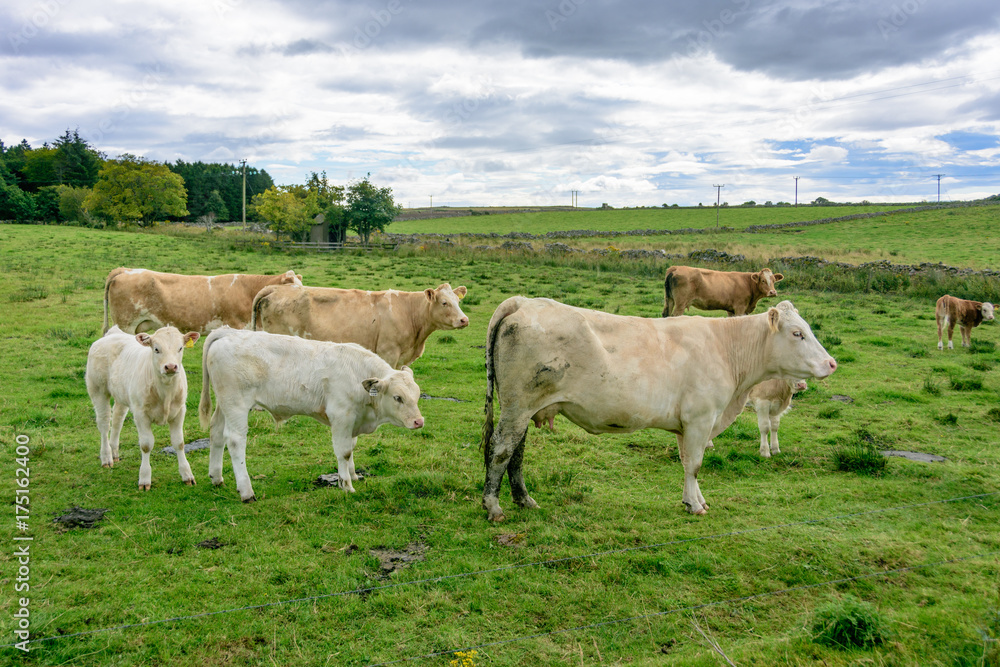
(610, 570)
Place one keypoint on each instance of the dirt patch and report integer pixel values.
(441, 398)
(914, 456)
(333, 479)
(78, 517)
(841, 398)
(391, 560)
(212, 543)
(510, 539)
(193, 446)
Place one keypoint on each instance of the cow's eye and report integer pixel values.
(399, 399)
(156, 350)
(798, 334)
(446, 304)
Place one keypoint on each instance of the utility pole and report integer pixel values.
(432, 200)
(574, 197)
(796, 190)
(244, 163)
(938, 177)
(718, 198)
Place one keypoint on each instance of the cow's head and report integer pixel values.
(765, 280)
(987, 311)
(394, 398)
(167, 344)
(289, 277)
(795, 351)
(445, 311)
(797, 385)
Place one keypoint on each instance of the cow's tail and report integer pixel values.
(506, 308)
(107, 290)
(668, 293)
(258, 304)
(205, 405)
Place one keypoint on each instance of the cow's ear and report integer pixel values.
(778, 277)
(144, 339)
(773, 315)
(755, 276)
(408, 370)
(460, 291)
(371, 385)
(430, 294)
(190, 338)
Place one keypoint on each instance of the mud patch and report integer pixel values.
(441, 398)
(78, 517)
(510, 539)
(391, 560)
(212, 543)
(914, 456)
(193, 446)
(333, 479)
(841, 398)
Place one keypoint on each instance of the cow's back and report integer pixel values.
(320, 313)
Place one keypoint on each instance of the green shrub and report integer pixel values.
(831, 341)
(931, 387)
(849, 623)
(966, 384)
(982, 347)
(862, 454)
(949, 419)
(29, 293)
(829, 412)
(994, 414)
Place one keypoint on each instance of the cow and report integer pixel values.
(736, 292)
(950, 311)
(771, 399)
(141, 300)
(616, 374)
(394, 325)
(143, 373)
(342, 385)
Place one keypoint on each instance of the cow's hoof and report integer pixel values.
(497, 517)
(251, 499)
(700, 512)
(145, 487)
(527, 502)
(216, 483)
(116, 459)
(107, 465)
(190, 482)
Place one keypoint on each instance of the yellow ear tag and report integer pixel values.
(189, 343)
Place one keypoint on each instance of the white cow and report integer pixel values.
(614, 374)
(342, 385)
(772, 399)
(142, 373)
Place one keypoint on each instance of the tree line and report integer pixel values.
(71, 182)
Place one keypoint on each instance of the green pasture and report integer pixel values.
(610, 570)
(626, 219)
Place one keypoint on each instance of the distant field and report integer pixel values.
(626, 219)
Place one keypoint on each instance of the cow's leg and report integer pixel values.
(217, 442)
(235, 436)
(966, 336)
(102, 415)
(763, 425)
(518, 491)
(354, 473)
(146, 441)
(177, 442)
(940, 333)
(775, 422)
(951, 332)
(509, 434)
(693, 444)
(343, 447)
(117, 420)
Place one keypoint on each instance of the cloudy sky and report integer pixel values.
(501, 102)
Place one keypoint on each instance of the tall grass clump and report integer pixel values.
(849, 623)
(862, 454)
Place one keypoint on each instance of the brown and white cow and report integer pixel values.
(736, 292)
(142, 373)
(967, 314)
(142, 300)
(771, 399)
(346, 387)
(614, 374)
(394, 325)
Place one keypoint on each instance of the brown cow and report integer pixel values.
(736, 292)
(142, 300)
(394, 325)
(968, 314)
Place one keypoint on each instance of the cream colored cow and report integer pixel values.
(614, 374)
(771, 399)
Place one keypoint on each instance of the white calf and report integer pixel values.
(342, 385)
(142, 373)
(771, 399)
